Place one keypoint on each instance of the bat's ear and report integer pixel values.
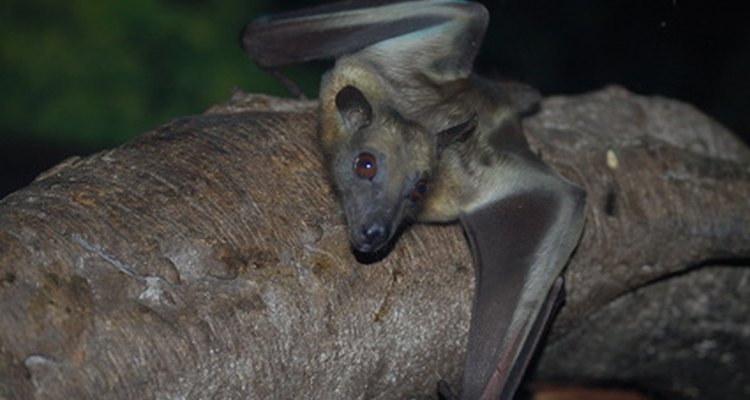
(457, 133)
(354, 108)
(524, 98)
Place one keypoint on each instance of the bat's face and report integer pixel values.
(381, 169)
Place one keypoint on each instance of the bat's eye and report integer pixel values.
(418, 191)
(366, 166)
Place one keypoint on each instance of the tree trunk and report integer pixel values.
(208, 259)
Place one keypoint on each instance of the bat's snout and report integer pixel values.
(371, 237)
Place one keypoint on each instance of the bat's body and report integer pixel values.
(412, 134)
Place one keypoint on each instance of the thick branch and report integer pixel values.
(208, 259)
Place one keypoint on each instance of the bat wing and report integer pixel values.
(520, 244)
(439, 38)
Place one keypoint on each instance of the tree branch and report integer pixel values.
(208, 259)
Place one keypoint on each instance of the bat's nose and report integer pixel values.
(375, 233)
(373, 236)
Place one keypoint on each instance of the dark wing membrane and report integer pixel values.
(453, 27)
(277, 43)
(520, 245)
(551, 304)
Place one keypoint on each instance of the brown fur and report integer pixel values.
(457, 172)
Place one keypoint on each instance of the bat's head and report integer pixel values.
(382, 163)
(381, 166)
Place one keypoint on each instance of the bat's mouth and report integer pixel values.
(366, 247)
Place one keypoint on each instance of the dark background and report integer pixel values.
(79, 76)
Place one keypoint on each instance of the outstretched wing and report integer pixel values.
(439, 38)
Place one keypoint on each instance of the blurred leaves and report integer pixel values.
(94, 74)
(98, 73)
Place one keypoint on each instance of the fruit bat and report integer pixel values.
(411, 134)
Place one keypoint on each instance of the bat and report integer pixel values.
(411, 134)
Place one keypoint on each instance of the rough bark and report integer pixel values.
(208, 259)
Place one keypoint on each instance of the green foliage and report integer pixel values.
(98, 73)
